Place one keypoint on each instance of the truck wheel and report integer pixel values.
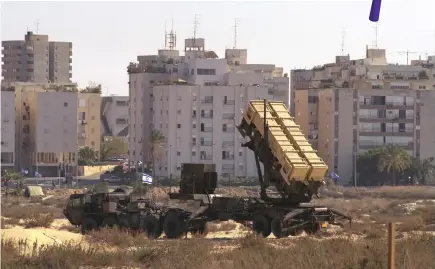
(88, 225)
(109, 222)
(174, 226)
(261, 225)
(276, 227)
(151, 227)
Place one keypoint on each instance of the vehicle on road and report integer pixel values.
(111, 179)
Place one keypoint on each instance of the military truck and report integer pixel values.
(122, 207)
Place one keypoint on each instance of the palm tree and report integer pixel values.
(156, 143)
(394, 159)
(424, 169)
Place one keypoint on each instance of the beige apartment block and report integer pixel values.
(7, 129)
(47, 130)
(114, 116)
(50, 126)
(352, 106)
(36, 59)
(206, 75)
(89, 126)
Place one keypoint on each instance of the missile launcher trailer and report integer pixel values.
(289, 163)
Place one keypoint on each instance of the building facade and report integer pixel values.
(351, 106)
(49, 124)
(7, 129)
(114, 116)
(203, 74)
(36, 59)
(89, 127)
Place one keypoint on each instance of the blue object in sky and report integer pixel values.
(375, 10)
(147, 179)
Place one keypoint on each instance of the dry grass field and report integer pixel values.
(36, 235)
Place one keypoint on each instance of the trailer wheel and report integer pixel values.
(151, 226)
(88, 225)
(276, 227)
(200, 232)
(174, 226)
(313, 229)
(109, 222)
(261, 225)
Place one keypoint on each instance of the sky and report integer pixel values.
(107, 35)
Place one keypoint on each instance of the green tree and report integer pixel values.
(368, 173)
(113, 147)
(157, 141)
(393, 159)
(424, 170)
(10, 176)
(87, 156)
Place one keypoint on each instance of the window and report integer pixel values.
(178, 125)
(92, 143)
(202, 127)
(209, 72)
(65, 104)
(193, 153)
(224, 127)
(45, 131)
(92, 117)
(178, 153)
(194, 126)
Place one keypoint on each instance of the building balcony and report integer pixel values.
(207, 101)
(386, 106)
(386, 120)
(229, 130)
(227, 143)
(366, 146)
(206, 143)
(395, 132)
(206, 157)
(207, 130)
(228, 116)
(229, 102)
(207, 116)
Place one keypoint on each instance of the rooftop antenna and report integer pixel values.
(195, 27)
(37, 26)
(376, 35)
(343, 35)
(236, 24)
(195, 30)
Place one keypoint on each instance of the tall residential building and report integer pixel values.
(36, 59)
(114, 116)
(197, 96)
(49, 123)
(351, 106)
(7, 128)
(89, 128)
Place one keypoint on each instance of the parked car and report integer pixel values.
(112, 179)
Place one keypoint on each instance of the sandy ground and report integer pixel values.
(42, 236)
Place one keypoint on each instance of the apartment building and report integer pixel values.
(7, 129)
(351, 106)
(114, 116)
(204, 74)
(89, 127)
(36, 59)
(199, 122)
(47, 130)
(51, 120)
